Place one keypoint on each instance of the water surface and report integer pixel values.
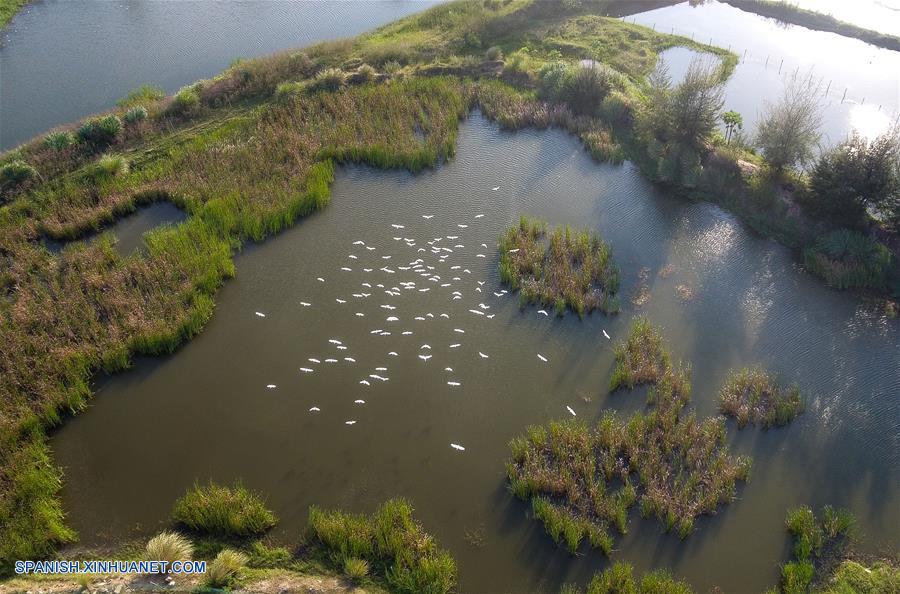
(771, 52)
(62, 59)
(207, 411)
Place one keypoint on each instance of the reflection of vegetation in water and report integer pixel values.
(753, 396)
(222, 510)
(790, 13)
(580, 479)
(390, 541)
(569, 269)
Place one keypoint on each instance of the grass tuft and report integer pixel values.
(169, 547)
(391, 543)
(225, 511)
(224, 568)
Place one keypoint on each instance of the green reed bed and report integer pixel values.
(222, 510)
(64, 316)
(393, 545)
(753, 396)
(620, 579)
(582, 480)
(820, 544)
(564, 269)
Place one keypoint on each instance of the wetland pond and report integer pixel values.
(724, 297)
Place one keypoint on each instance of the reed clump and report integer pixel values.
(569, 270)
(582, 480)
(224, 511)
(389, 543)
(820, 543)
(848, 259)
(225, 567)
(620, 579)
(753, 396)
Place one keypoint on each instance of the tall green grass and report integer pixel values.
(569, 270)
(582, 480)
(848, 259)
(224, 511)
(753, 396)
(390, 541)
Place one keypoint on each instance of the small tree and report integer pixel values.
(733, 122)
(858, 175)
(694, 104)
(789, 130)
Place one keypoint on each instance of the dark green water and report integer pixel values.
(207, 412)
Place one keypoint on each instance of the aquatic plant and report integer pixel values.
(581, 480)
(224, 568)
(168, 547)
(753, 396)
(572, 270)
(818, 544)
(619, 579)
(391, 543)
(849, 259)
(222, 510)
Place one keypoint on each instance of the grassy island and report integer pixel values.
(568, 269)
(753, 396)
(582, 480)
(389, 543)
(249, 152)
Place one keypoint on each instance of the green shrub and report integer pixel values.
(330, 79)
(59, 140)
(493, 54)
(185, 102)
(169, 547)
(100, 132)
(223, 569)
(848, 259)
(15, 173)
(136, 114)
(584, 88)
(221, 510)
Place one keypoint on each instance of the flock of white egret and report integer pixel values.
(418, 266)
